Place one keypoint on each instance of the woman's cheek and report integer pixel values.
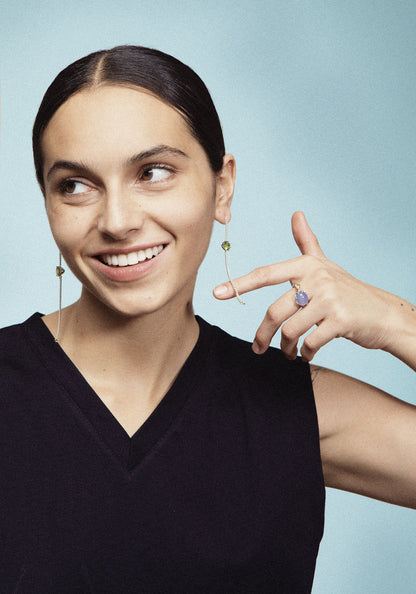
(67, 235)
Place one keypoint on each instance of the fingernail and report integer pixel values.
(220, 291)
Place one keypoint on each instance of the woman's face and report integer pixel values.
(130, 197)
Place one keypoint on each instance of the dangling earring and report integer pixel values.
(226, 246)
(59, 273)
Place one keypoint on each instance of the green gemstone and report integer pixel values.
(226, 245)
(59, 271)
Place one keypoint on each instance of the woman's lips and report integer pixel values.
(120, 270)
(131, 258)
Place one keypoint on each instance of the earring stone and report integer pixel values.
(226, 246)
(59, 271)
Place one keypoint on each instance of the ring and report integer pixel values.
(301, 297)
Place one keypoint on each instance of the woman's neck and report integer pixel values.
(146, 351)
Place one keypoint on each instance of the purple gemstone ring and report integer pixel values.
(301, 297)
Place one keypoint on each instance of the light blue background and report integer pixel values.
(318, 103)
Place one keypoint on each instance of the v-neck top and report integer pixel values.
(220, 489)
(129, 450)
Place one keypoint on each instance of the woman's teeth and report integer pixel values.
(131, 258)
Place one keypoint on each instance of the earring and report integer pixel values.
(226, 246)
(59, 273)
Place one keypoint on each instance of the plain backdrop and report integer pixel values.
(317, 101)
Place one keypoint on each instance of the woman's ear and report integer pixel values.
(225, 189)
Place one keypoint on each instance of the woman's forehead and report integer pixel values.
(106, 128)
(114, 105)
(116, 116)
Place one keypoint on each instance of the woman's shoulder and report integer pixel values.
(16, 340)
(10, 334)
(235, 356)
(16, 330)
(276, 390)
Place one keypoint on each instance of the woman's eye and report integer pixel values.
(155, 174)
(73, 187)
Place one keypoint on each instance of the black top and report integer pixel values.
(219, 491)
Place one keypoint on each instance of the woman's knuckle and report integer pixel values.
(260, 338)
(323, 276)
(287, 333)
(261, 276)
(309, 344)
(330, 298)
(272, 313)
(310, 260)
(341, 317)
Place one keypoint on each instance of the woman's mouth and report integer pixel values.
(132, 258)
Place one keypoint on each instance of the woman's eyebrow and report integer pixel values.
(62, 164)
(161, 149)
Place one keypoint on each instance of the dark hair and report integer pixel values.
(160, 73)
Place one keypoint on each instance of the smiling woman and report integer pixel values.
(156, 453)
(124, 175)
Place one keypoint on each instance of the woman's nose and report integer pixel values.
(121, 213)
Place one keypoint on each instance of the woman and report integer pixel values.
(143, 449)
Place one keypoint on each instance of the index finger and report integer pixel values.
(263, 276)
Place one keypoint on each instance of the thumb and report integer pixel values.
(305, 239)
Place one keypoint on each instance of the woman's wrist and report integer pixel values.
(401, 335)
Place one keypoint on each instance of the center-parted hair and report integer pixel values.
(131, 65)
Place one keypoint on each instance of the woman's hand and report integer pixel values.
(339, 304)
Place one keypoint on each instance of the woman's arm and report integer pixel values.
(368, 438)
